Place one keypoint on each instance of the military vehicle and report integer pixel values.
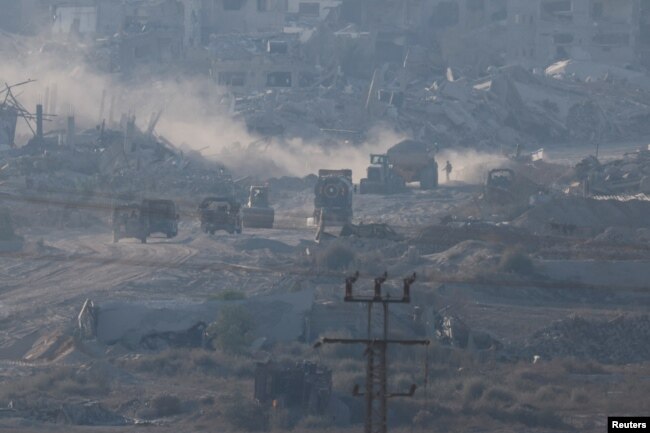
(129, 222)
(161, 217)
(381, 179)
(407, 161)
(499, 185)
(333, 197)
(220, 213)
(258, 213)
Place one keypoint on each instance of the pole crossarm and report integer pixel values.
(376, 393)
(370, 341)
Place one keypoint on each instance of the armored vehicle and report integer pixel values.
(161, 217)
(220, 213)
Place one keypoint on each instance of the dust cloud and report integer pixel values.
(196, 115)
(469, 166)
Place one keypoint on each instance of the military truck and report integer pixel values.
(129, 222)
(220, 213)
(258, 213)
(333, 197)
(407, 161)
(161, 217)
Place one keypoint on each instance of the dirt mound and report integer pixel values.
(619, 341)
(467, 255)
(586, 213)
(438, 238)
(541, 172)
(264, 244)
(624, 235)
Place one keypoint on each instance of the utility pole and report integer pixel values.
(376, 393)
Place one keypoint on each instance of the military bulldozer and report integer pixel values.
(333, 197)
(220, 213)
(499, 186)
(407, 161)
(381, 179)
(258, 213)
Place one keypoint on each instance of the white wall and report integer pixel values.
(66, 16)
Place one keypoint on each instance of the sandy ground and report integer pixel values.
(43, 288)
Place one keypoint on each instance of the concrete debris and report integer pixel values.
(585, 216)
(157, 325)
(370, 230)
(627, 176)
(192, 337)
(618, 341)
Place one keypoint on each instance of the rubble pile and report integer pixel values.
(627, 176)
(514, 106)
(443, 237)
(101, 165)
(586, 216)
(511, 106)
(619, 341)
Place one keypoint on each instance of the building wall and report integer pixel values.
(192, 23)
(258, 73)
(307, 7)
(599, 30)
(470, 33)
(241, 16)
(11, 16)
(68, 17)
(110, 17)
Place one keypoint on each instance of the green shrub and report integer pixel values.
(232, 332)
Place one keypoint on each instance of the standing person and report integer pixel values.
(448, 168)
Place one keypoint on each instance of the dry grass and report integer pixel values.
(57, 382)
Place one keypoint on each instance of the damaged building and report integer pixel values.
(258, 63)
(544, 31)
